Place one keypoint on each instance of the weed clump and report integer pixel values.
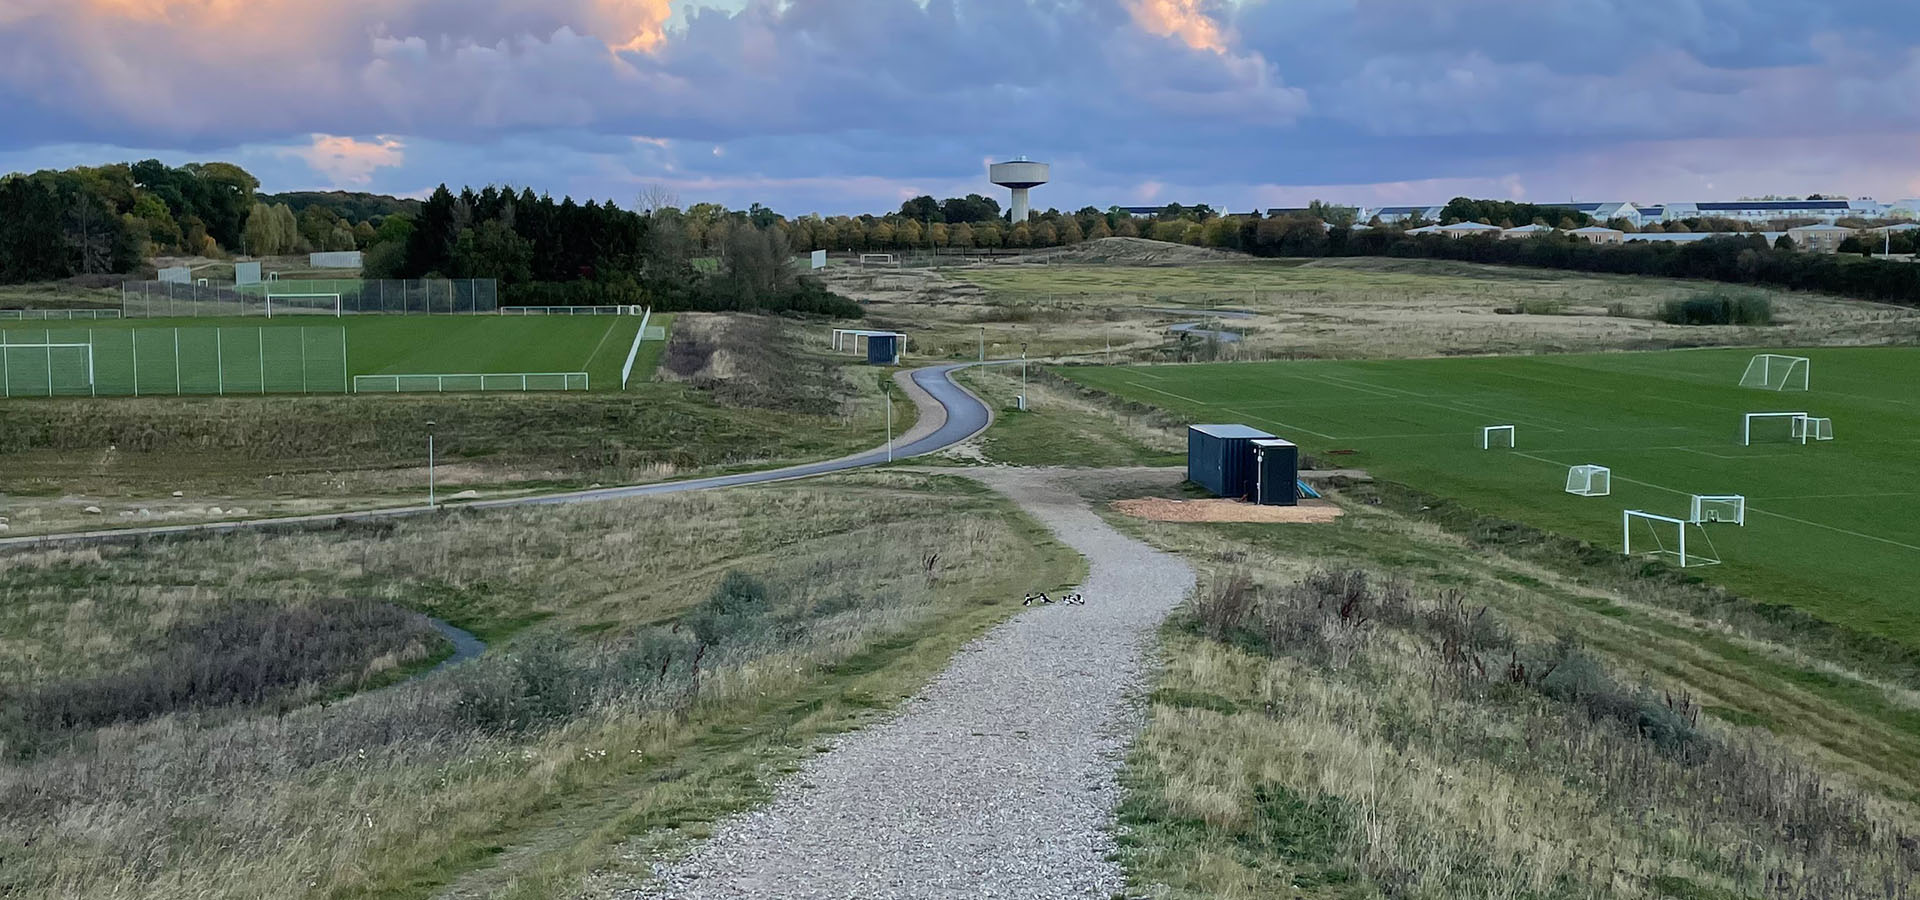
(1719, 307)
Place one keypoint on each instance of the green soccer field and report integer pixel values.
(375, 345)
(1831, 527)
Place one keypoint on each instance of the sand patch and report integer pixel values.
(1161, 509)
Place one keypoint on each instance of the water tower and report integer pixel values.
(1022, 175)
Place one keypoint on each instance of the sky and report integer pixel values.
(851, 106)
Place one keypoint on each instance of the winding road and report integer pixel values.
(949, 414)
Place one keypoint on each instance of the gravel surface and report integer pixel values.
(999, 780)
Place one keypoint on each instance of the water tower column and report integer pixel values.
(1021, 176)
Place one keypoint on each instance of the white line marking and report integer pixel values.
(603, 342)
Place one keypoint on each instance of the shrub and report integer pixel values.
(734, 613)
(1719, 308)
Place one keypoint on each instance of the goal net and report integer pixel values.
(1497, 437)
(1775, 372)
(1590, 481)
(1675, 540)
(325, 304)
(1726, 509)
(886, 260)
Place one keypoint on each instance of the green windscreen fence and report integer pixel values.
(141, 362)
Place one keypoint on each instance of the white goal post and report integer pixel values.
(1794, 426)
(879, 259)
(1493, 435)
(1812, 428)
(1590, 481)
(1726, 509)
(485, 381)
(43, 352)
(1666, 537)
(1777, 372)
(337, 305)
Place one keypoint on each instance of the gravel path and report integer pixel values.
(999, 780)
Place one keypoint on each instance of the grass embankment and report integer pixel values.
(1828, 527)
(655, 663)
(771, 405)
(1388, 707)
(1063, 426)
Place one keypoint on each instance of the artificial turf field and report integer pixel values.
(386, 345)
(1831, 527)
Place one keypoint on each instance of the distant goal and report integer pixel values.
(879, 260)
(1787, 427)
(1723, 509)
(472, 383)
(1497, 437)
(1665, 537)
(1590, 481)
(1777, 372)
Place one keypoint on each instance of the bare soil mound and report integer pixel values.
(1160, 509)
(1129, 251)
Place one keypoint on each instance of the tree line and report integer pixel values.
(108, 219)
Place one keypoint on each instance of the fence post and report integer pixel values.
(343, 362)
(260, 340)
(219, 361)
(303, 359)
(176, 362)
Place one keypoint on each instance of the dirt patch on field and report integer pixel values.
(1160, 509)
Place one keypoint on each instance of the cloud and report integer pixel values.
(1179, 19)
(1213, 99)
(351, 162)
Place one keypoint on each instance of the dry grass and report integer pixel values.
(1337, 308)
(1437, 739)
(591, 720)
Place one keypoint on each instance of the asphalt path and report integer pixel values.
(949, 414)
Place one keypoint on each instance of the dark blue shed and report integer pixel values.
(1220, 458)
(883, 349)
(1277, 467)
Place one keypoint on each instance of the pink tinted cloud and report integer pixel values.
(1182, 20)
(349, 161)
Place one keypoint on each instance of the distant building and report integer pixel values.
(1651, 214)
(1389, 215)
(1601, 212)
(1903, 209)
(1459, 230)
(1596, 234)
(1826, 211)
(1526, 231)
(1819, 238)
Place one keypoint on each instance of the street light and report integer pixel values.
(430, 486)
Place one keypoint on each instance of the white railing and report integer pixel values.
(485, 381)
(570, 310)
(59, 314)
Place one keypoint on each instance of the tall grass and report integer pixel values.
(659, 657)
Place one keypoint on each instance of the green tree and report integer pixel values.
(491, 250)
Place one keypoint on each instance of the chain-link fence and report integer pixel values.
(141, 362)
(311, 296)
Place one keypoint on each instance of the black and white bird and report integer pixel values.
(1075, 599)
(1041, 597)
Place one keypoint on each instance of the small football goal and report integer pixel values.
(473, 382)
(1590, 481)
(1497, 437)
(46, 369)
(1787, 427)
(1723, 509)
(879, 260)
(1668, 538)
(1812, 428)
(1777, 372)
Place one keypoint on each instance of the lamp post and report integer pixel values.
(889, 420)
(983, 343)
(430, 486)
